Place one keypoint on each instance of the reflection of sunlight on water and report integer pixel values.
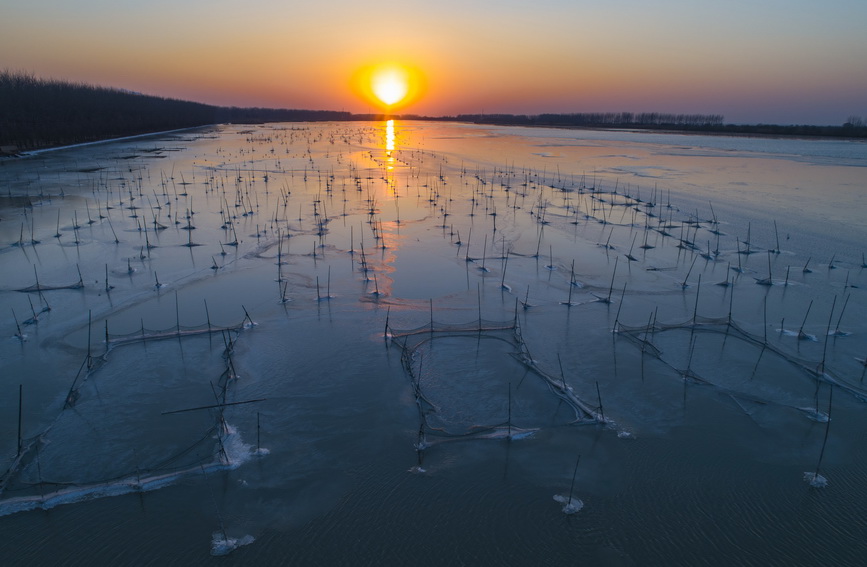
(389, 158)
(389, 141)
(387, 233)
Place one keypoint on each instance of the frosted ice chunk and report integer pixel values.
(570, 505)
(223, 545)
(816, 480)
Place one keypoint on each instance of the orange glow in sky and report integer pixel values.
(753, 62)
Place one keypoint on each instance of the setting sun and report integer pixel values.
(388, 85)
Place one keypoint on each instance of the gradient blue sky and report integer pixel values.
(768, 61)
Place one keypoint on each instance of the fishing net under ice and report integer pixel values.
(720, 353)
(478, 380)
(110, 437)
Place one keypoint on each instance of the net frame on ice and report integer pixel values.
(220, 442)
(410, 341)
(817, 371)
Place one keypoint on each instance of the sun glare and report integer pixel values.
(388, 85)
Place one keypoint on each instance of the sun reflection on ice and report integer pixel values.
(389, 138)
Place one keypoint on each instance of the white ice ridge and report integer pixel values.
(235, 453)
(497, 432)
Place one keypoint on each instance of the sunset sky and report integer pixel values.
(771, 61)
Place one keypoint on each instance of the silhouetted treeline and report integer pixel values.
(844, 131)
(37, 113)
(604, 119)
(708, 123)
(260, 115)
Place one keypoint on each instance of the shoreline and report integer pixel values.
(624, 128)
(32, 153)
(685, 132)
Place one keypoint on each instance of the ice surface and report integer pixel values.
(343, 381)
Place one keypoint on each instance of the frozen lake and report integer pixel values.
(372, 343)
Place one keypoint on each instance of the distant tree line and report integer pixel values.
(240, 115)
(710, 123)
(38, 113)
(604, 119)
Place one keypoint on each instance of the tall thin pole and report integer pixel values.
(828, 332)
(20, 405)
(827, 429)
(619, 307)
(510, 410)
(89, 319)
(479, 296)
(599, 396)
(574, 474)
(208, 315)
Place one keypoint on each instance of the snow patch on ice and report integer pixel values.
(523, 434)
(816, 480)
(570, 505)
(236, 451)
(817, 416)
(223, 545)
